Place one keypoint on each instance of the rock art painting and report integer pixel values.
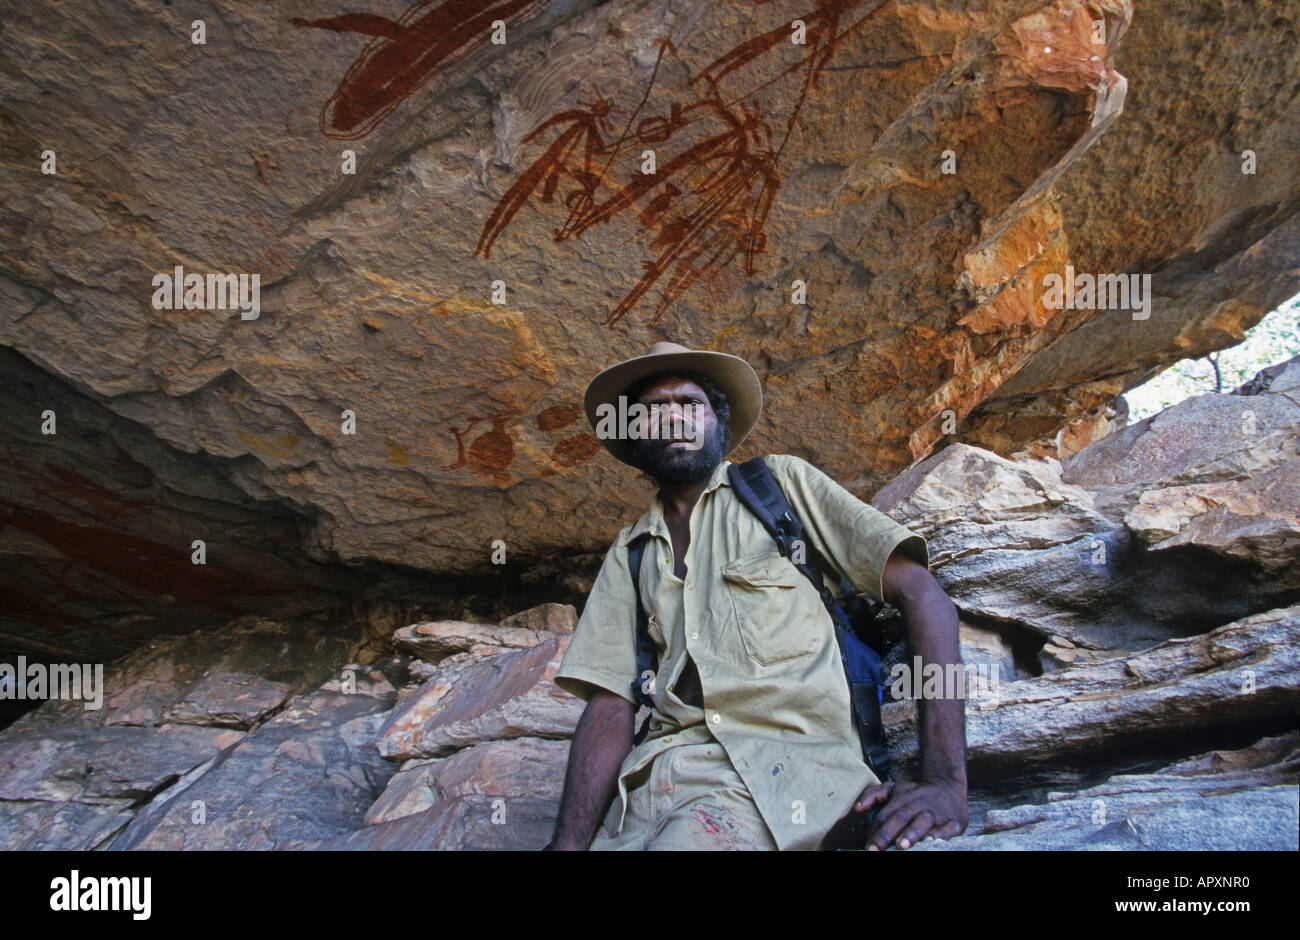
(698, 167)
(704, 205)
(491, 453)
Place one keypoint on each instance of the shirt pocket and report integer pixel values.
(770, 607)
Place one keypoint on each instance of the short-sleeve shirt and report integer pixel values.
(772, 683)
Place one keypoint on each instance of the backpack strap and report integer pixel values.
(757, 488)
(646, 653)
(762, 495)
(645, 647)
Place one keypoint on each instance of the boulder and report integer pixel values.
(554, 618)
(475, 822)
(1244, 674)
(437, 640)
(1255, 522)
(308, 773)
(1232, 800)
(1016, 548)
(1207, 439)
(509, 695)
(514, 768)
(1174, 526)
(231, 676)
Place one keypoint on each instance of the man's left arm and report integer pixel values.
(935, 805)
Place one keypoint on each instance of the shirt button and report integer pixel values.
(668, 740)
(690, 585)
(716, 718)
(695, 636)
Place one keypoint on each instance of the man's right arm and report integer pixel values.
(602, 739)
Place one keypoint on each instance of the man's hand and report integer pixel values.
(910, 812)
(906, 813)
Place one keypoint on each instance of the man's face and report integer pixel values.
(684, 443)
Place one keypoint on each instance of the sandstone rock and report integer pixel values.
(447, 670)
(989, 648)
(307, 774)
(437, 640)
(924, 286)
(506, 696)
(1014, 546)
(1115, 351)
(1208, 439)
(227, 700)
(95, 553)
(358, 679)
(421, 672)
(996, 651)
(75, 787)
(1223, 801)
(924, 322)
(91, 764)
(519, 767)
(1279, 379)
(1148, 814)
(1201, 542)
(1256, 521)
(473, 822)
(964, 498)
(1213, 483)
(1092, 425)
(434, 641)
(73, 779)
(555, 618)
(229, 676)
(41, 825)
(1241, 673)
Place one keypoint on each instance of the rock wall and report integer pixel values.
(451, 236)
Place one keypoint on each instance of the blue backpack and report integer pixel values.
(758, 490)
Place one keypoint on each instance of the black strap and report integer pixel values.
(646, 653)
(645, 647)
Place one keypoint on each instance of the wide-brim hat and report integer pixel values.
(734, 376)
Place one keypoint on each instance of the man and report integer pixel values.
(751, 743)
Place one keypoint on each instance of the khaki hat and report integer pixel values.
(734, 376)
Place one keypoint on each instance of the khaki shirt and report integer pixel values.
(773, 686)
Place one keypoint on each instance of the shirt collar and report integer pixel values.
(652, 520)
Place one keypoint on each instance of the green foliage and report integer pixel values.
(1274, 339)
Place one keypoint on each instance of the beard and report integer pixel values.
(679, 465)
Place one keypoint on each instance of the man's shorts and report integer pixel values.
(690, 797)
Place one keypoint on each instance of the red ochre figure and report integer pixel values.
(492, 452)
(405, 54)
(558, 416)
(706, 204)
